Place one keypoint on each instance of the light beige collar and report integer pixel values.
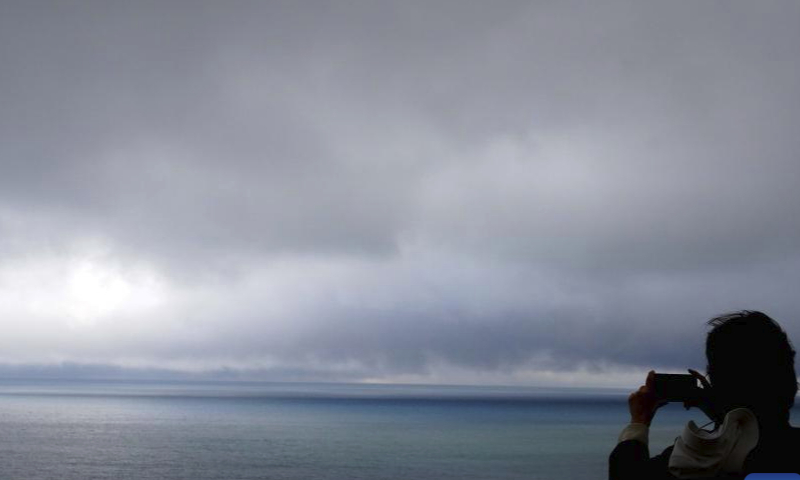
(699, 453)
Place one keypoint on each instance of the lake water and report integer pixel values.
(229, 431)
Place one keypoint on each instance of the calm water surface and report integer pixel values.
(203, 431)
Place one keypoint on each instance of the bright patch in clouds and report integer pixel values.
(93, 292)
(53, 299)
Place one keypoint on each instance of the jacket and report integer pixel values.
(739, 447)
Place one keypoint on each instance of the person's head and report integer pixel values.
(751, 364)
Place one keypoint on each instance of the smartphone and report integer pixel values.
(672, 387)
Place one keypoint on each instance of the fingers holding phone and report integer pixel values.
(644, 402)
(704, 398)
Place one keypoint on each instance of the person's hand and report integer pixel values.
(643, 403)
(705, 398)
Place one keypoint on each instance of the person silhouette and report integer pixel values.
(748, 395)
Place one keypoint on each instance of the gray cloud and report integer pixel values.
(380, 191)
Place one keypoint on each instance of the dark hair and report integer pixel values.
(751, 364)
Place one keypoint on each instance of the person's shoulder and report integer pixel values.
(778, 453)
(784, 437)
(791, 437)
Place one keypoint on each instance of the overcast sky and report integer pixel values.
(537, 193)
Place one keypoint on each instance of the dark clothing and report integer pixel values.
(631, 460)
(776, 452)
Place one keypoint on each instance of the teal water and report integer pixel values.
(139, 430)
